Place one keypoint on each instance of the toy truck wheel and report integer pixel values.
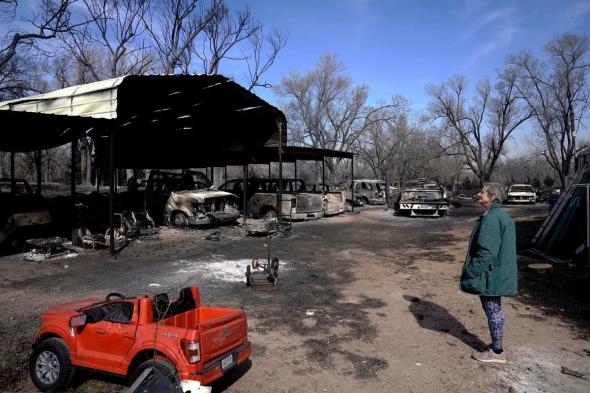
(163, 366)
(50, 366)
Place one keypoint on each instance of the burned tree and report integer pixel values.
(173, 26)
(18, 49)
(325, 110)
(477, 126)
(556, 91)
(110, 43)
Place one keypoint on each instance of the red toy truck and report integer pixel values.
(123, 336)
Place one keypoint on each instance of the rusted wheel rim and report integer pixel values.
(179, 220)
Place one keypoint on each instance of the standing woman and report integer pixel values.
(490, 268)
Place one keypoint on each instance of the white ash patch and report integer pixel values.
(226, 271)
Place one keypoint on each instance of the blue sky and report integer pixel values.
(398, 47)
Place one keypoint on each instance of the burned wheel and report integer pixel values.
(179, 220)
(270, 214)
(50, 366)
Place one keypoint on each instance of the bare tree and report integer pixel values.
(479, 127)
(174, 25)
(258, 62)
(379, 144)
(113, 31)
(324, 108)
(223, 33)
(18, 48)
(557, 93)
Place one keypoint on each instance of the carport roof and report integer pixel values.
(158, 121)
(155, 116)
(37, 131)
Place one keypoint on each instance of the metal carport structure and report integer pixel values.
(156, 121)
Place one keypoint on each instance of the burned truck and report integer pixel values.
(334, 201)
(261, 197)
(423, 198)
(178, 199)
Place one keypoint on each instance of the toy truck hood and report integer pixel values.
(72, 307)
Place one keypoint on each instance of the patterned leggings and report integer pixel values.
(492, 305)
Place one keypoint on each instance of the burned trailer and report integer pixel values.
(423, 198)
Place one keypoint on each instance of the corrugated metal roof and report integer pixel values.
(97, 99)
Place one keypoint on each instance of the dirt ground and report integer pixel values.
(366, 302)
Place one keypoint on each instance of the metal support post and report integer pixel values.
(324, 174)
(73, 185)
(244, 193)
(12, 179)
(112, 192)
(73, 169)
(38, 165)
(352, 181)
(280, 195)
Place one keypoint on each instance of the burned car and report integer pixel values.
(201, 207)
(423, 198)
(366, 192)
(178, 199)
(261, 197)
(23, 215)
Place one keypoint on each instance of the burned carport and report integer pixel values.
(159, 121)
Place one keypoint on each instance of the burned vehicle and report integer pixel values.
(423, 198)
(522, 193)
(261, 198)
(366, 192)
(334, 200)
(23, 215)
(180, 200)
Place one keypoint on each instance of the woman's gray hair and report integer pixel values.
(494, 190)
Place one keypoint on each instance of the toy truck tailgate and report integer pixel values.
(220, 330)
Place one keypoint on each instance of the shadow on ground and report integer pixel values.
(232, 377)
(433, 317)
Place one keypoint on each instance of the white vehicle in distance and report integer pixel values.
(522, 193)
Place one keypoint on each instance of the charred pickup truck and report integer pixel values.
(261, 197)
(423, 198)
(180, 200)
(123, 336)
